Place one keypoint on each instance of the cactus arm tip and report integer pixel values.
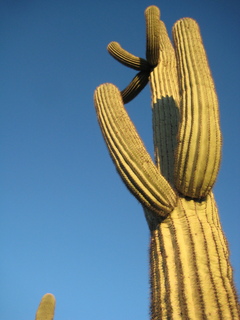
(152, 16)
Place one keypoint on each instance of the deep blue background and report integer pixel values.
(68, 225)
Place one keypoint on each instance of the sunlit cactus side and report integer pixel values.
(46, 307)
(191, 275)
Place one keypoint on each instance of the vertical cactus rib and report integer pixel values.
(199, 147)
(127, 58)
(158, 279)
(152, 15)
(156, 282)
(182, 298)
(46, 308)
(129, 154)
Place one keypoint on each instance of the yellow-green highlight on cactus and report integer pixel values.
(46, 308)
(190, 272)
(199, 143)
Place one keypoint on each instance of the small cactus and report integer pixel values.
(191, 275)
(46, 308)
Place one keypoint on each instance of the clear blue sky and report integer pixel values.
(68, 225)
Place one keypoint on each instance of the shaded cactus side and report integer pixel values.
(191, 276)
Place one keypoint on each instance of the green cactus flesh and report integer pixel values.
(191, 276)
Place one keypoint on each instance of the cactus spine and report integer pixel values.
(191, 276)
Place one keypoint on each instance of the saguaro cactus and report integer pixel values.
(191, 276)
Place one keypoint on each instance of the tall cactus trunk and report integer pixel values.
(191, 275)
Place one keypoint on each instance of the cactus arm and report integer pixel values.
(137, 84)
(126, 58)
(152, 14)
(129, 154)
(46, 308)
(199, 147)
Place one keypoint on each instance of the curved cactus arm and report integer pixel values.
(131, 159)
(145, 67)
(46, 307)
(198, 154)
(137, 84)
(152, 15)
(126, 58)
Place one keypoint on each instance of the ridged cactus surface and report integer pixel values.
(199, 138)
(191, 276)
